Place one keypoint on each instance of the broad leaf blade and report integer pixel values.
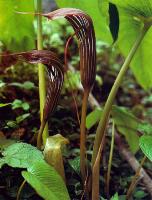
(75, 164)
(127, 124)
(93, 117)
(115, 197)
(17, 29)
(140, 8)
(46, 181)
(21, 155)
(145, 144)
(132, 14)
(145, 128)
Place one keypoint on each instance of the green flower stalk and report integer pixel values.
(41, 69)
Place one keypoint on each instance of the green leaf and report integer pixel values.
(91, 7)
(122, 197)
(103, 7)
(11, 124)
(145, 144)
(93, 117)
(115, 197)
(20, 104)
(46, 181)
(99, 80)
(132, 14)
(147, 99)
(21, 118)
(145, 128)
(72, 80)
(141, 8)
(4, 104)
(140, 194)
(17, 29)
(112, 17)
(28, 85)
(2, 84)
(127, 124)
(75, 164)
(21, 155)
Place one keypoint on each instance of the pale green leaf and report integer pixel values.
(93, 117)
(4, 104)
(140, 8)
(28, 85)
(140, 194)
(132, 14)
(2, 84)
(17, 103)
(115, 197)
(17, 29)
(145, 128)
(21, 155)
(104, 6)
(21, 118)
(46, 181)
(11, 124)
(127, 124)
(72, 80)
(75, 164)
(145, 144)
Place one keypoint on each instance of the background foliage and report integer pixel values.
(98, 10)
(17, 30)
(19, 110)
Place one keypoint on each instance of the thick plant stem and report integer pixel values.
(107, 108)
(83, 136)
(41, 69)
(110, 159)
(135, 179)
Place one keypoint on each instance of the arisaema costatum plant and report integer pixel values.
(84, 31)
